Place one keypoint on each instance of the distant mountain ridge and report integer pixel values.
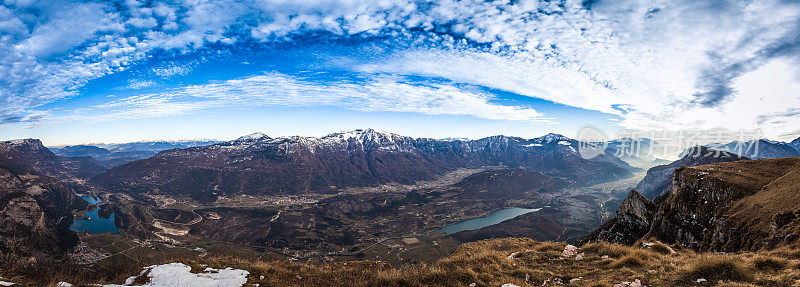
(760, 149)
(796, 144)
(110, 155)
(70, 169)
(258, 164)
(639, 152)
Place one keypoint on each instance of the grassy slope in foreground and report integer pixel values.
(533, 263)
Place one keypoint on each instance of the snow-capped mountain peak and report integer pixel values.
(551, 138)
(367, 135)
(370, 138)
(253, 136)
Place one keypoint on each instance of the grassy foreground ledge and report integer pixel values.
(525, 262)
(533, 263)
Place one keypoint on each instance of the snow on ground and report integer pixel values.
(5, 283)
(179, 274)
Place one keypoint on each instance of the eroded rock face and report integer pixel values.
(632, 222)
(25, 212)
(743, 205)
(35, 210)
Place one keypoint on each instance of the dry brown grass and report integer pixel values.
(661, 248)
(716, 268)
(487, 263)
(609, 249)
(769, 263)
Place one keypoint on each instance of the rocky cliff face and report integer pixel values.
(258, 164)
(632, 222)
(732, 206)
(742, 205)
(35, 209)
(659, 179)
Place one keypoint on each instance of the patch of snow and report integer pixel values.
(179, 274)
(454, 139)
(6, 283)
(532, 145)
(564, 143)
(65, 284)
(130, 280)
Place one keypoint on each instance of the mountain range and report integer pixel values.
(762, 148)
(110, 155)
(258, 164)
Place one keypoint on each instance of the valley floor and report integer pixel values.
(567, 214)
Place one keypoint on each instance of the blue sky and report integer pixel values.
(146, 70)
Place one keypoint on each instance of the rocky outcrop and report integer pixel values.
(35, 210)
(632, 222)
(659, 178)
(731, 206)
(742, 205)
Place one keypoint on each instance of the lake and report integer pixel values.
(94, 224)
(491, 219)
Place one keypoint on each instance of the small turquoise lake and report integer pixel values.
(94, 224)
(491, 219)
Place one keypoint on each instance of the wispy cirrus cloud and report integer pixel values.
(382, 94)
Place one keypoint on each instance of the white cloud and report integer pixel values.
(172, 69)
(139, 84)
(381, 94)
(670, 64)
